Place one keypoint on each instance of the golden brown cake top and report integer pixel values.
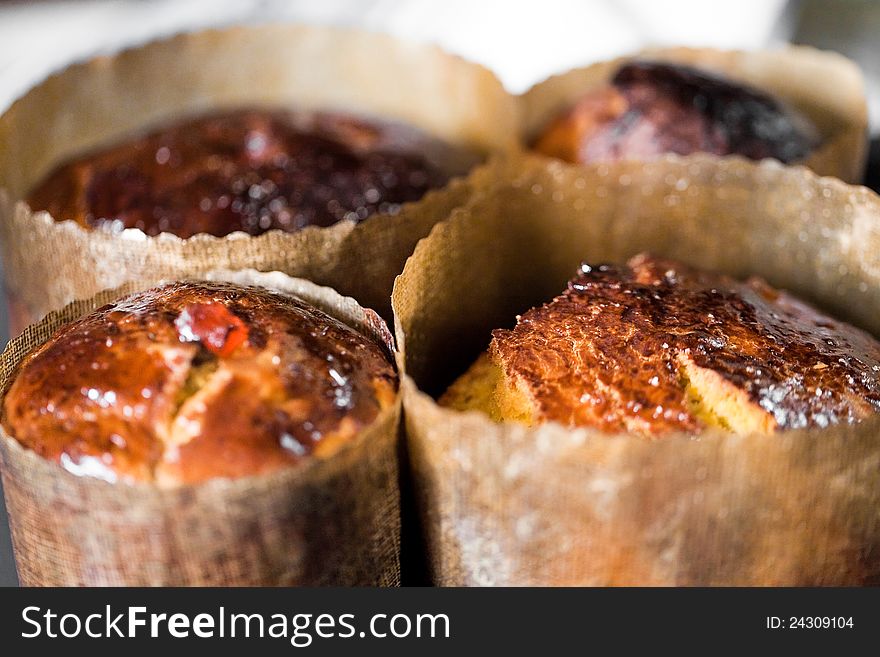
(652, 108)
(246, 170)
(656, 346)
(190, 381)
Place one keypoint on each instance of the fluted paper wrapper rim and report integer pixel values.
(826, 86)
(327, 521)
(93, 104)
(504, 504)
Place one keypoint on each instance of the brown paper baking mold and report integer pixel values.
(97, 103)
(333, 521)
(827, 87)
(503, 504)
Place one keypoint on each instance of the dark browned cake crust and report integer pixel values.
(190, 381)
(652, 108)
(248, 171)
(654, 346)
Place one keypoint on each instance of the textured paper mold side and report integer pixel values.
(507, 505)
(328, 522)
(826, 86)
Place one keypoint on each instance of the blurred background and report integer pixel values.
(523, 41)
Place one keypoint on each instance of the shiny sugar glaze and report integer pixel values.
(250, 171)
(190, 381)
(608, 352)
(652, 108)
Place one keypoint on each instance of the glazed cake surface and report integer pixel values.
(652, 108)
(245, 170)
(190, 381)
(655, 346)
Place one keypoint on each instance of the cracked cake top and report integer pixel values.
(189, 381)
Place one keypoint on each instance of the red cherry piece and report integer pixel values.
(218, 329)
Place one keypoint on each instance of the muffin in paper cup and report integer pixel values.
(331, 520)
(826, 87)
(508, 504)
(106, 101)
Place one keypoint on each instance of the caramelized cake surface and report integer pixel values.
(190, 381)
(655, 346)
(246, 170)
(652, 108)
